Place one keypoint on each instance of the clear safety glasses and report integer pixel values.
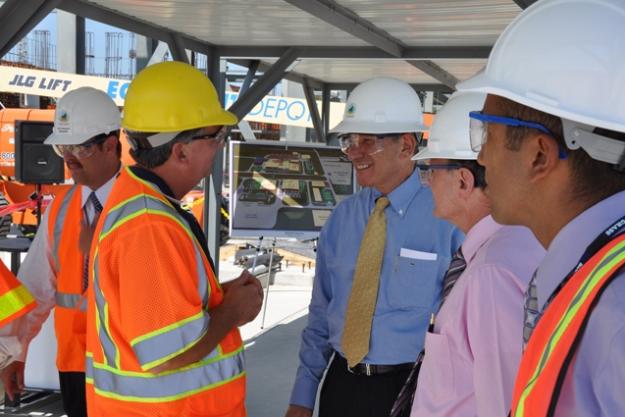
(366, 143)
(83, 151)
(219, 137)
(426, 170)
(479, 129)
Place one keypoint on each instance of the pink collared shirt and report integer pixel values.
(473, 354)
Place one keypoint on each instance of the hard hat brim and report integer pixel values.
(225, 118)
(359, 126)
(446, 154)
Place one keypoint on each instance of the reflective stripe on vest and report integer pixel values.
(14, 303)
(74, 301)
(58, 226)
(555, 338)
(167, 386)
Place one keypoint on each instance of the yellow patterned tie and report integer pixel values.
(364, 294)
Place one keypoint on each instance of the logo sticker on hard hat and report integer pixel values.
(351, 109)
(63, 117)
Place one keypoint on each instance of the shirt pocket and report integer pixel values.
(414, 283)
(437, 373)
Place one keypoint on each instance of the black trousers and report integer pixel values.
(344, 394)
(73, 393)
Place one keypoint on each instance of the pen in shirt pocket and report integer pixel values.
(431, 325)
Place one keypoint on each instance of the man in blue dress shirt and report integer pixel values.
(382, 118)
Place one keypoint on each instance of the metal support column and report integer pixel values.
(249, 77)
(309, 92)
(264, 84)
(17, 20)
(80, 45)
(325, 110)
(176, 47)
(212, 184)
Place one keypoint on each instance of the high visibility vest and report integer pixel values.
(15, 300)
(67, 263)
(150, 300)
(550, 350)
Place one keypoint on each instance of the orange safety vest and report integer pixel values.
(67, 263)
(554, 341)
(152, 289)
(15, 300)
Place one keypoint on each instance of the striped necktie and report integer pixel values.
(364, 293)
(97, 209)
(455, 269)
(530, 310)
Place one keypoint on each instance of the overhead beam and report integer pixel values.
(291, 75)
(436, 72)
(358, 52)
(313, 109)
(17, 20)
(348, 21)
(246, 101)
(524, 4)
(249, 77)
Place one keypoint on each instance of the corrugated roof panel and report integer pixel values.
(355, 71)
(236, 22)
(461, 69)
(438, 22)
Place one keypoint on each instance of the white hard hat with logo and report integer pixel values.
(82, 114)
(565, 58)
(449, 135)
(382, 105)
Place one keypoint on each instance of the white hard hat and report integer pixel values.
(449, 134)
(82, 114)
(382, 105)
(565, 58)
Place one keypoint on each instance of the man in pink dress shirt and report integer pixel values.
(473, 350)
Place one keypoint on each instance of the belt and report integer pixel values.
(370, 369)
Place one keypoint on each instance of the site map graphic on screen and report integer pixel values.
(285, 190)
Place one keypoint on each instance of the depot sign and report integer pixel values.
(272, 109)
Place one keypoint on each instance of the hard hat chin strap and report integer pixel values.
(598, 147)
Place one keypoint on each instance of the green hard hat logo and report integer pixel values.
(351, 109)
(63, 117)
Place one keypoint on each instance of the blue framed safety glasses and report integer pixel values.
(479, 127)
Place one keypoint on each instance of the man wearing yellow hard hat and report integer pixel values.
(162, 337)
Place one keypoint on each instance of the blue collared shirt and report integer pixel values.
(410, 281)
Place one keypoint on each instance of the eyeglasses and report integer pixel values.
(478, 128)
(366, 143)
(425, 170)
(219, 137)
(83, 151)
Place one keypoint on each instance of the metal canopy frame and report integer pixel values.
(18, 17)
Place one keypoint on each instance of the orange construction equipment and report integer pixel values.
(151, 293)
(554, 341)
(70, 314)
(15, 300)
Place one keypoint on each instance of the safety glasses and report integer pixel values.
(83, 151)
(219, 137)
(366, 143)
(426, 170)
(479, 129)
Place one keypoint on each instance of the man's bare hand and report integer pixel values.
(298, 411)
(13, 379)
(243, 298)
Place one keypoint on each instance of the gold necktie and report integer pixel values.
(364, 294)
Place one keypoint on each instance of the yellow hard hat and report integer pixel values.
(172, 97)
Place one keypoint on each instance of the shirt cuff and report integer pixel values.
(304, 392)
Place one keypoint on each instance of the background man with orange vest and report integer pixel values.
(162, 337)
(15, 301)
(552, 139)
(86, 135)
(472, 350)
